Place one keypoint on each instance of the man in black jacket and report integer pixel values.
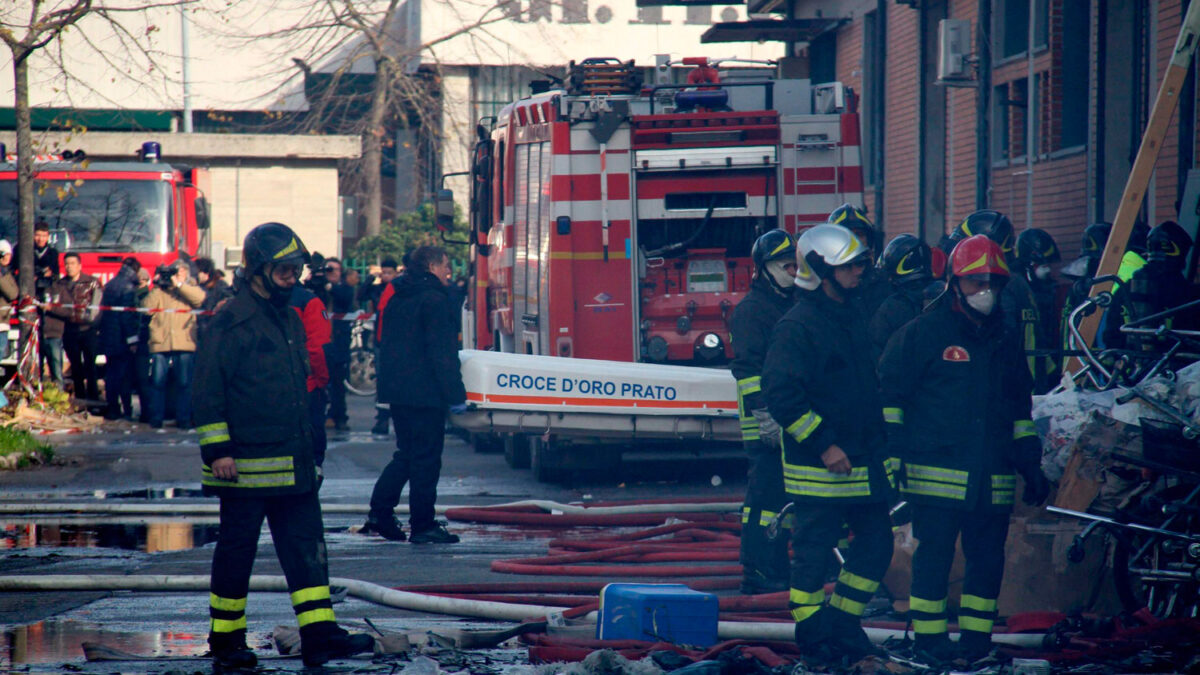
(764, 562)
(957, 397)
(420, 378)
(259, 458)
(820, 384)
(119, 340)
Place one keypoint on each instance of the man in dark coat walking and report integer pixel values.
(119, 340)
(419, 378)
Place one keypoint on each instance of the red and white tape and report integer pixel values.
(358, 315)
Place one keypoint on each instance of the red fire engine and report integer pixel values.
(612, 220)
(105, 211)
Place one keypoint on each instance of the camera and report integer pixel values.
(164, 276)
(316, 281)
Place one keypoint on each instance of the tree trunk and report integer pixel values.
(25, 201)
(372, 157)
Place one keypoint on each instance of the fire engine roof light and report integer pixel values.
(151, 151)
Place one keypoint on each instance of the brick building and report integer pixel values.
(1095, 68)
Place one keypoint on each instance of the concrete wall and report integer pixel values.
(304, 198)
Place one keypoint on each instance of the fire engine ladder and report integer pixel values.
(822, 143)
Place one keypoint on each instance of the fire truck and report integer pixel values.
(613, 220)
(611, 223)
(105, 211)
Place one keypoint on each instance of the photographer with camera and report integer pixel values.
(172, 341)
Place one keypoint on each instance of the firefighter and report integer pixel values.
(258, 459)
(957, 397)
(873, 289)
(1157, 286)
(907, 263)
(764, 562)
(1034, 283)
(819, 378)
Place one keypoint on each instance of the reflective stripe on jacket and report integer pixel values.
(750, 331)
(251, 402)
(957, 403)
(820, 385)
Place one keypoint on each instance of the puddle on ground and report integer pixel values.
(150, 493)
(149, 537)
(62, 642)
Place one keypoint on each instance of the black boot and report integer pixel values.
(755, 582)
(812, 637)
(228, 659)
(317, 648)
(387, 527)
(974, 645)
(935, 649)
(847, 636)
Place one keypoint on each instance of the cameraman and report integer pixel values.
(172, 341)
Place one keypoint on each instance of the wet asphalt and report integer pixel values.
(130, 464)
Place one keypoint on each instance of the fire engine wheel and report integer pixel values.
(546, 460)
(360, 377)
(487, 443)
(516, 451)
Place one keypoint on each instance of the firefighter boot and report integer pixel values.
(847, 635)
(934, 648)
(329, 641)
(813, 639)
(974, 645)
(230, 653)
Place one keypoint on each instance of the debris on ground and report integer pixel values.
(19, 448)
(48, 411)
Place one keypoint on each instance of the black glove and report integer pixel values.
(1037, 488)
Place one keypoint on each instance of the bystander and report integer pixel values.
(72, 319)
(172, 342)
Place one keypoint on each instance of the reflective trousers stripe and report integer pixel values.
(228, 625)
(928, 606)
(858, 583)
(226, 604)
(314, 616)
(309, 594)
(977, 603)
(893, 415)
(851, 607)
(975, 623)
(923, 627)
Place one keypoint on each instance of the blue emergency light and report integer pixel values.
(151, 151)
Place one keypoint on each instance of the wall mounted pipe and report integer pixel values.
(389, 597)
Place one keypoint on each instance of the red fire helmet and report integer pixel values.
(978, 256)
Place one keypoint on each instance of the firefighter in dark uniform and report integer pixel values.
(1158, 285)
(874, 288)
(907, 262)
(819, 380)
(764, 562)
(258, 459)
(1034, 284)
(957, 402)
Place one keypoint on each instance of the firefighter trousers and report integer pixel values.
(936, 530)
(761, 558)
(815, 533)
(296, 530)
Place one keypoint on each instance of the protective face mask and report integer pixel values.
(983, 302)
(782, 279)
(1042, 272)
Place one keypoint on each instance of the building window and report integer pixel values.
(539, 10)
(1073, 97)
(510, 8)
(822, 58)
(1000, 121)
(1010, 27)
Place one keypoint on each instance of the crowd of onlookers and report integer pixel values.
(150, 355)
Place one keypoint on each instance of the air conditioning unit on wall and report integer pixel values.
(954, 51)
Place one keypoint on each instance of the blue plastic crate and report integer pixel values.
(657, 612)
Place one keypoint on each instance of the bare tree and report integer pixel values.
(26, 31)
(362, 76)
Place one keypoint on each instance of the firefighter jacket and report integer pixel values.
(873, 289)
(819, 380)
(251, 402)
(957, 406)
(418, 354)
(1028, 314)
(750, 330)
(900, 307)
